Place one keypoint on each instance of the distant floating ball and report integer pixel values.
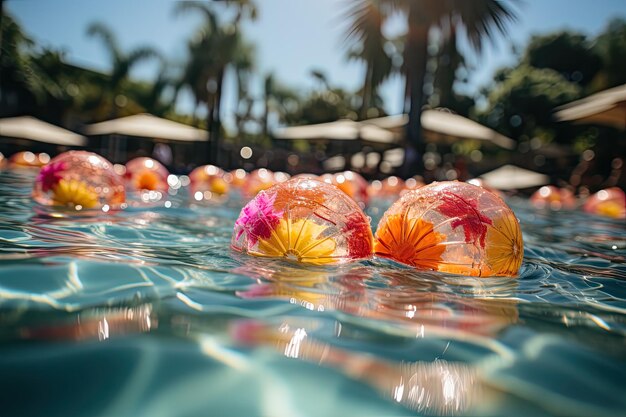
(146, 174)
(452, 227)
(610, 202)
(389, 188)
(79, 180)
(258, 180)
(280, 176)
(303, 220)
(350, 183)
(208, 182)
(553, 198)
(28, 160)
(236, 177)
(414, 183)
(307, 175)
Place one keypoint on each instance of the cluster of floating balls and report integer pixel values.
(451, 227)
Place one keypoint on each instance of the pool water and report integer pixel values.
(148, 312)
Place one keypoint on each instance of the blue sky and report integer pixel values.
(291, 36)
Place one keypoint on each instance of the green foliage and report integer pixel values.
(521, 102)
(611, 47)
(568, 53)
(365, 42)
(325, 106)
(555, 69)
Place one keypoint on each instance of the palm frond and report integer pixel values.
(483, 20)
(210, 16)
(100, 30)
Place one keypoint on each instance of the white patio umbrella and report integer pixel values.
(511, 177)
(344, 129)
(443, 126)
(148, 126)
(28, 127)
(607, 107)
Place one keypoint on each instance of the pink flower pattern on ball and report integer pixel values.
(50, 175)
(258, 218)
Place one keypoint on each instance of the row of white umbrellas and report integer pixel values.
(607, 107)
(142, 125)
(438, 126)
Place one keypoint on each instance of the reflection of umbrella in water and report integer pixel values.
(511, 177)
(607, 107)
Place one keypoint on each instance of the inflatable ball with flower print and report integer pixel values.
(306, 221)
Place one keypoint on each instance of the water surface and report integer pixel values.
(148, 312)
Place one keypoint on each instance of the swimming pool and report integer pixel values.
(148, 312)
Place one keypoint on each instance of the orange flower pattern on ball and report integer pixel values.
(146, 174)
(452, 227)
(303, 220)
(412, 242)
(146, 180)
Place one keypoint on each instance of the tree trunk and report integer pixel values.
(367, 91)
(266, 113)
(416, 55)
(214, 124)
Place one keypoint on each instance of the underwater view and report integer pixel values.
(147, 311)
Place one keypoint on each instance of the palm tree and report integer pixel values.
(480, 20)
(279, 100)
(152, 98)
(243, 65)
(122, 62)
(214, 48)
(366, 43)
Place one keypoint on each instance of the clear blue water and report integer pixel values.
(147, 312)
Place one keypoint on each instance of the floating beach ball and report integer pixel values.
(610, 202)
(146, 174)
(452, 227)
(208, 183)
(350, 183)
(80, 180)
(303, 220)
(553, 198)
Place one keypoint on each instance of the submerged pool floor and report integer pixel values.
(148, 312)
